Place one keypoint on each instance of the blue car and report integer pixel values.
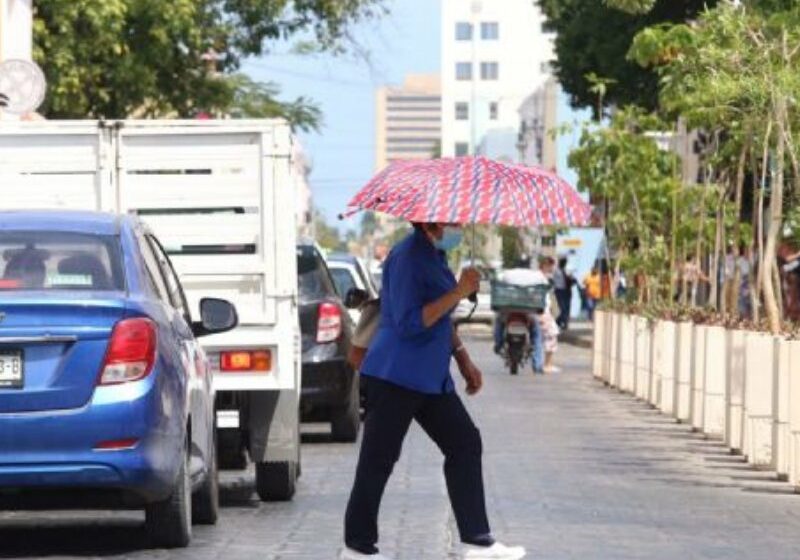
(105, 394)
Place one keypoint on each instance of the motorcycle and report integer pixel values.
(518, 347)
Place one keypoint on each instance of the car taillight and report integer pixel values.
(245, 360)
(131, 352)
(329, 323)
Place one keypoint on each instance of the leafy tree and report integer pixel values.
(623, 166)
(511, 246)
(258, 100)
(593, 38)
(734, 72)
(118, 58)
(328, 237)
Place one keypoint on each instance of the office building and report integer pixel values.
(495, 53)
(408, 120)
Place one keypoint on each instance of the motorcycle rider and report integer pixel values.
(523, 275)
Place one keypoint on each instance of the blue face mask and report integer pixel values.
(450, 239)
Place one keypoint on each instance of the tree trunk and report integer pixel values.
(758, 273)
(737, 229)
(776, 220)
(719, 227)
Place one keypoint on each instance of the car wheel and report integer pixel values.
(169, 522)
(205, 502)
(346, 422)
(276, 481)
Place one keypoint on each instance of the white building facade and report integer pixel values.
(495, 53)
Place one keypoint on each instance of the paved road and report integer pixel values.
(573, 470)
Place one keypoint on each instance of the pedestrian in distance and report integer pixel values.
(406, 377)
(592, 285)
(563, 281)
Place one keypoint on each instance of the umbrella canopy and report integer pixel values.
(472, 190)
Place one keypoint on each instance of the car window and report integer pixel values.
(313, 278)
(343, 279)
(48, 260)
(174, 290)
(153, 272)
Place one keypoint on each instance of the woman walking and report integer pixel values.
(406, 375)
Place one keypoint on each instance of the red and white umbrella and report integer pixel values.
(472, 190)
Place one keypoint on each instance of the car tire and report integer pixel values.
(276, 481)
(169, 522)
(205, 501)
(346, 422)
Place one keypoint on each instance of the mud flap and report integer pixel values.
(274, 427)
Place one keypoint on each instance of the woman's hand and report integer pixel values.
(469, 283)
(470, 372)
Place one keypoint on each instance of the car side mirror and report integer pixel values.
(355, 298)
(216, 316)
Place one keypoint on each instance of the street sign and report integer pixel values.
(22, 86)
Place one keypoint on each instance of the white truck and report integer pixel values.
(219, 196)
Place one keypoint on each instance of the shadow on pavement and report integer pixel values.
(91, 538)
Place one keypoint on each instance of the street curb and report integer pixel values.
(575, 340)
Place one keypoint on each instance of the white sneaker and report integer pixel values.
(495, 552)
(350, 554)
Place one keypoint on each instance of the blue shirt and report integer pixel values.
(403, 351)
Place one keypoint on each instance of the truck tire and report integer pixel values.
(169, 522)
(205, 501)
(345, 423)
(276, 481)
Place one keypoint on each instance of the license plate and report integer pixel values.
(11, 370)
(517, 329)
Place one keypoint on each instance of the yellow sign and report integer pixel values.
(572, 243)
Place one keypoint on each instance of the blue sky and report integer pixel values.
(343, 153)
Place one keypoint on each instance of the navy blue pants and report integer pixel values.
(390, 410)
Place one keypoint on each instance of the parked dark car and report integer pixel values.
(105, 394)
(330, 391)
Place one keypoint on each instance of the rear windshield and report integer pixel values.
(343, 279)
(312, 274)
(46, 260)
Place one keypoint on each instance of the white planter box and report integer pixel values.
(715, 381)
(666, 355)
(759, 399)
(598, 344)
(644, 336)
(627, 346)
(683, 371)
(734, 390)
(794, 413)
(654, 383)
(613, 361)
(781, 435)
(698, 377)
(605, 366)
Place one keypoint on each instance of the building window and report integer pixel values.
(463, 31)
(462, 149)
(494, 111)
(463, 71)
(490, 70)
(462, 111)
(490, 31)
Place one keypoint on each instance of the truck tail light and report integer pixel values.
(329, 324)
(131, 352)
(245, 360)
